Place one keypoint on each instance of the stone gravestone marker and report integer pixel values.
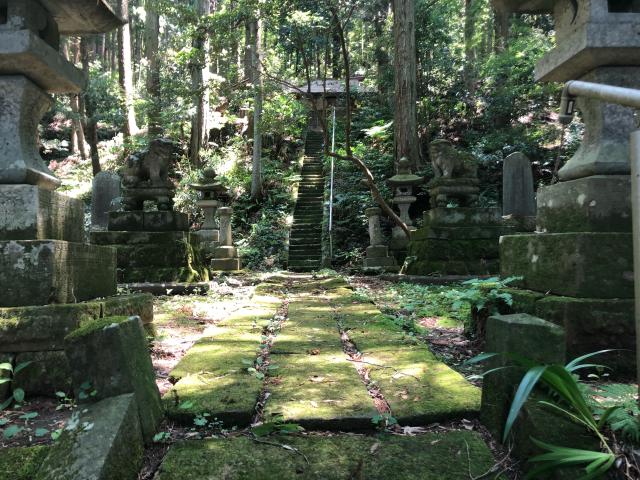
(106, 191)
(518, 195)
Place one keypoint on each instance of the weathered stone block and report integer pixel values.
(28, 212)
(593, 324)
(22, 52)
(377, 251)
(588, 265)
(601, 203)
(518, 195)
(140, 304)
(139, 221)
(519, 334)
(225, 252)
(138, 238)
(111, 449)
(225, 264)
(34, 329)
(185, 274)
(48, 373)
(42, 272)
(378, 262)
(462, 217)
(112, 354)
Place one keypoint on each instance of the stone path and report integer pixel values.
(305, 241)
(307, 352)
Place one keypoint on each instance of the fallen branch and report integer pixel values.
(384, 366)
(375, 193)
(280, 445)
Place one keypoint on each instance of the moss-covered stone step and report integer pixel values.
(212, 377)
(435, 456)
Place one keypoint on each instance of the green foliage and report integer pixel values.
(478, 294)
(625, 419)
(17, 394)
(277, 427)
(570, 401)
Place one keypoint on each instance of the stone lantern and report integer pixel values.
(580, 260)
(212, 195)
(377, 252)
(50, 278)
(403, 183)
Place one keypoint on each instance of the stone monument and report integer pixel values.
(49, 278)
(153, 245)
(212, 196)
(580, 260)
(225, 255)
(377, 256)
(457, 236)
(403, 184)
(104, 196)
(518, 194)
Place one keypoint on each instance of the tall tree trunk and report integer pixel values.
(501, 25)
(381, 56)
(199, 82)
(470, 11)
(91, 126)
(151, 44)
(404, 125)
(256, 60)
(78, 142)
(125, 73)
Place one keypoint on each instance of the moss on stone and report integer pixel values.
(93, 325)
(421, 390)
(21, 463)
(434, 456)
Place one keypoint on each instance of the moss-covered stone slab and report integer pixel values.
(22, 463)
(420, 389)
(112, 355)
(140, 305)
(319, 391)
(33, 329)
(441, 456)
(105, 445)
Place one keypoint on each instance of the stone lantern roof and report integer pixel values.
(404, 177)
(79, 17)
(589, 34)
(210, 186)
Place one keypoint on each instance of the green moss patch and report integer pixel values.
(92, 326)
(421, 390)
(21, 463)
(447, 456)
(319, 391)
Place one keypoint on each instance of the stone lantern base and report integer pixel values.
(378, 258)
(153, 247)
(226, 260)
(457, 241)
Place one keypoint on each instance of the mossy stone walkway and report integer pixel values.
(324, 350)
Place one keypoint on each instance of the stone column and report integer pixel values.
(377, 252)
(518, 194)
(375, 231)
(224, 216)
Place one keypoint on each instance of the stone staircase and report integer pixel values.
(305, 240)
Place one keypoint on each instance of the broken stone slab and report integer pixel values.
(40, 272)
(518, 334)
(103, 442)
(43, 328)
(112, 355)
(28, 212)
(47, 373)
(23, 106)
(22, 52)
(582, 264)
(105, 193)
